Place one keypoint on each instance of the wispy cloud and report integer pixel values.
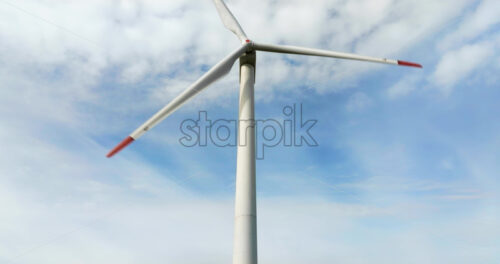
(458, 64)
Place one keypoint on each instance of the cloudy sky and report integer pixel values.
(406, 170)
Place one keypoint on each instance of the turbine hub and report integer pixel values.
(249, 44)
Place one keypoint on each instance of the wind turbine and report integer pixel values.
(245, 222)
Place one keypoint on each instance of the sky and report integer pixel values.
(407, 164)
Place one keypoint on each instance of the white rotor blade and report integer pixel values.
(229, 20)
(219, 70)
(331, 54)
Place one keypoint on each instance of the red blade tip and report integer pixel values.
(120, 146)
(409, 64)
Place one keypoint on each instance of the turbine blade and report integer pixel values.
(219, 70)
(331, 54)
(230, 21)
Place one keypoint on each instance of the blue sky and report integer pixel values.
(406, 170)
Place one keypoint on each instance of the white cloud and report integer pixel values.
(484, 17)
(135, 38)
(471, 47)
(456, 65)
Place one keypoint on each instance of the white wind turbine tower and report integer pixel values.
(245, 222)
